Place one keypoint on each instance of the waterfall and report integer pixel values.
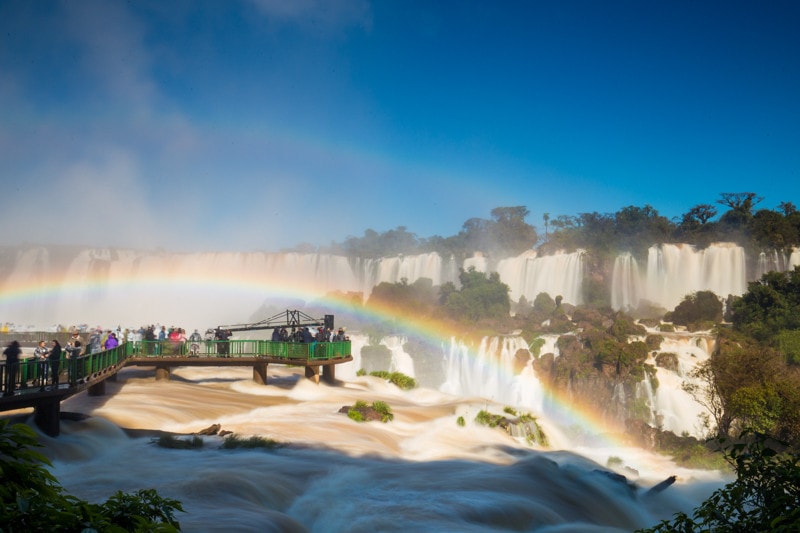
(491, 373)
(794, 258)
(626, 283)
(777, 261)
(132, 288)
(528, 274)
(675, 270)
(675, 408)
(401, 361)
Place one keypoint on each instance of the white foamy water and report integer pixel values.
(420, 472)
(46, 286)
(676, 270)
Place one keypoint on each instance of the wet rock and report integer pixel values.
(213, 429)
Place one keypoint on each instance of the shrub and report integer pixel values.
(31, 498)
(362, 412)
(233, 441)
(173, 442)
(398, 378)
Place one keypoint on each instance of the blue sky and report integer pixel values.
(261, 124)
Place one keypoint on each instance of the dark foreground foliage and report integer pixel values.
(764, 497)
(31, 498)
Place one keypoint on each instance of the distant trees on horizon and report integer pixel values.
(631, 228)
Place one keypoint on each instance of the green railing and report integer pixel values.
(74, 370)
(239, 348)
(33, 374)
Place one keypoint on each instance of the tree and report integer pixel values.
(546, 218)
(509, 232)
(699, 309)
(771, 230)
(787, 208)
(745, 385)
(480, 297)
(743, 202)
(419, 297)
(764, 497)
(31, 499)
(769, 306)
(736, 222)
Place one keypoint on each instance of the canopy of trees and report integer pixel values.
(480, 297)
(734, 218)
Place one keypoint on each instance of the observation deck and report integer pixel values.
(30, 383)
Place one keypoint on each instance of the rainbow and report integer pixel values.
(62, 289)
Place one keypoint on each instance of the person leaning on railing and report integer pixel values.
(11, 352)
(55, 361)
(40, 363)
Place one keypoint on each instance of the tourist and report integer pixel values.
(195, 339)
(162, 336)
(111, 342)
(55, 362)
(223, 346)
(340, 336)
(40, 363)
(11, 352)
(96, 341)
(73, 347)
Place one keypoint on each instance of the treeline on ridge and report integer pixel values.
(631, 228)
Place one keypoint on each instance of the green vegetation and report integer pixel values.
(603, 235)
(769, 308)
(231, 442)
(173, 442)
(506, 233)
(33, 500)
(398, 378)
(461, 422)
(480, 297)
(747, 385)
(751, 379)
(362, 412)
(698, 311)
(764, 497)
(524, 425)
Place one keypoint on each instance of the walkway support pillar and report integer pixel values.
(98, 389)
(329, 374)
(312, 373)
(260, 373)
(46, 416)
(162, 372)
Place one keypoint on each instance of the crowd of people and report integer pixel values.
(159, 340)
(304, 335)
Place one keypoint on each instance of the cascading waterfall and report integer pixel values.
(675, 408)
(676, 270)
(626, 283)
(401, 361)
(491, 372)
(777, 261)
(92, 286)
(528, 274)
(410, 268)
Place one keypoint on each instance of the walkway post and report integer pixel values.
(260, 373)
(46, 415)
